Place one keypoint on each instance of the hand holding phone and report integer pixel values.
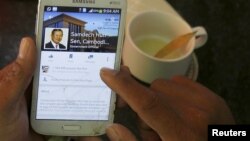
(75, 39)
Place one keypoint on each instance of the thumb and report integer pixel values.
(27, 57)
(117, 132)
(15, 77)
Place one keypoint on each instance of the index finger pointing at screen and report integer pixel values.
(143, 101)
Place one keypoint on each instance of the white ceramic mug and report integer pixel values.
(149, 31)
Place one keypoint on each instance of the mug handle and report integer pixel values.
(200, 36)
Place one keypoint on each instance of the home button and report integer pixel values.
(71, 127)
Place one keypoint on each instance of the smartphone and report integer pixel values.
(75, 39)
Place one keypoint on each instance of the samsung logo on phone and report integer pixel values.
(84, 1)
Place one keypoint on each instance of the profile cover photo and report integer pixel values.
(56, 38)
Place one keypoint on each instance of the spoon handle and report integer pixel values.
(179, 42)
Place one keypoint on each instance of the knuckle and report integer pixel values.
(151, 103)
(10, 72)
(159, 83)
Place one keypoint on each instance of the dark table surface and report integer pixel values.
(224, 62)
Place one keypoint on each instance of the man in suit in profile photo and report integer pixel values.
(56, 38)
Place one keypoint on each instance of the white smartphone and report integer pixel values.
(75, 39)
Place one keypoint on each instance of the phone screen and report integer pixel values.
(76, 43)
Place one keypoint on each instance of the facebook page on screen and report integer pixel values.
(76, 43)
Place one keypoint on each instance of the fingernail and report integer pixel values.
(112, 134)
(24, 48)
(105, 71)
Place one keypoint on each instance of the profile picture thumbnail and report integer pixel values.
(56, 38)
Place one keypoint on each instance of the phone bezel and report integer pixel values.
(88, 128)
